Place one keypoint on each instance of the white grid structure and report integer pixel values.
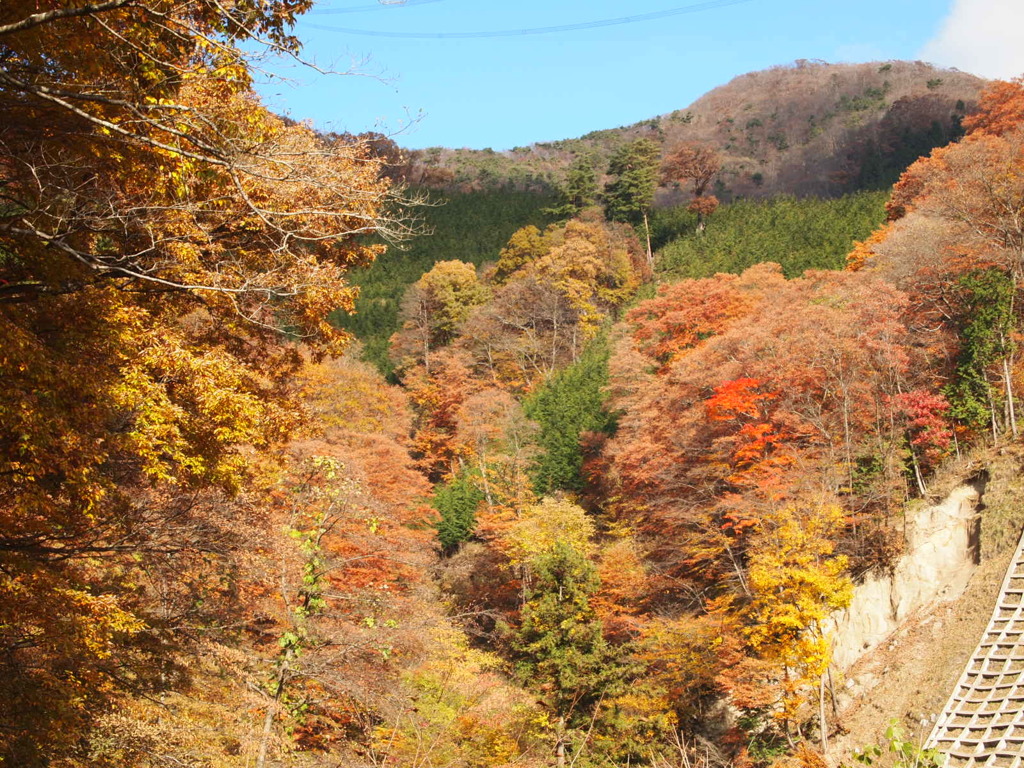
(983, 721)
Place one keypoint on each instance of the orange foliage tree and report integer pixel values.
(556, 290)
(1000, 108)
(162, 237)
(307, 592)
(698, 164)
(437, 396)
(776, 387)
(964, 204)
(762, 444)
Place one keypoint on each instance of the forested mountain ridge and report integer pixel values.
(809, 128)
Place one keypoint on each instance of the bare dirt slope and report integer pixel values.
(910, 676)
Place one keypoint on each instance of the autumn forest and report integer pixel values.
(319, 452)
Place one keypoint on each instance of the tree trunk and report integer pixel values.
(847, 439)
(487, 485)
(560, 744)
(425, 324)
(822, 725)
(647, 232)
(268, 719)
(832, 692)
(917, 473)
(788, 723)
(1010, 409)
(1006, 343)
(992, 413)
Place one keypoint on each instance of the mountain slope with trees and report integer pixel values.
(810, 128)
(592, 521)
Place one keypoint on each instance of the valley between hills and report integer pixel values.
(688, 444)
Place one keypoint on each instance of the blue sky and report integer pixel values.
(508, 91)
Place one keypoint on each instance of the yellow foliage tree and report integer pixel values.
(525, 245)
(465, 713)
(590, 267)
(554, 292)
(541, 526)
(163, 240)
(434, 308)
(796, 582)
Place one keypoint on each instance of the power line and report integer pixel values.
(384, 4)
(706, 6)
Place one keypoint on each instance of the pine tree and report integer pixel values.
(579, 190)
(628, 197)
(561, 646)
(635, 168)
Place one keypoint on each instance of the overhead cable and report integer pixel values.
(372, 7)
(706, 6)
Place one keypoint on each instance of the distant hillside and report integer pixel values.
(809, 128)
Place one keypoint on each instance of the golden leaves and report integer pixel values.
(796, 582)
(169, 239)
(541, 526)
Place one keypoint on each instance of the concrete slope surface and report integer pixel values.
(983, 722)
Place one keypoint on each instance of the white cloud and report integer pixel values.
(985, 37)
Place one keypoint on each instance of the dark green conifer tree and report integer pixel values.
(570, 403)
(635, 168)
(579, 190)
(561, 649)
(985, 344)
(456, 501)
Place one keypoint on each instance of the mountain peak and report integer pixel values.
(806, 128)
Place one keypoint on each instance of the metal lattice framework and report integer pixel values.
(983, 721)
